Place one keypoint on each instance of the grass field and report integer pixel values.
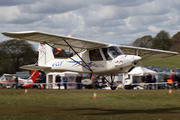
(80, 105)
(173, 61)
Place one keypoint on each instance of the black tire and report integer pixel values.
(113, 88)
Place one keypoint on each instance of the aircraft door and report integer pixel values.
(96, 60)
(50, 80)
(95, 55)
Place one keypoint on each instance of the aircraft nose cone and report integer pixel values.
(137, 58)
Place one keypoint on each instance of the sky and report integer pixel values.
(109, 21)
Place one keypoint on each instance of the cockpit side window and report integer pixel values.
(95, 55)
(8, 78)
(105, 52)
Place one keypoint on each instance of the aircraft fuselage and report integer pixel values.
(104, 61)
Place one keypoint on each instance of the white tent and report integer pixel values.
(137, 73)
(140, 71)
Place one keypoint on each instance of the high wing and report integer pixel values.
(58, 41)
(79, 45)
(146, 52)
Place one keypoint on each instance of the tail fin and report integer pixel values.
(45, 54)
(34, 75)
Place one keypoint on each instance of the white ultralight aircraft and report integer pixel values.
(7, 80)
(90, 56)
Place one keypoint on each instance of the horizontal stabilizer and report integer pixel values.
(32, 67)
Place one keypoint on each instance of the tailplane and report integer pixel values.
(45, 54)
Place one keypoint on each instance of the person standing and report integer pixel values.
(78, 81)
(170, 82)
(103, 82)
(175, 79)
(149, 80)
(143, 78)
(16, 81)
(165, 80)
(65, 80)
(39, 80)
(178, 80)
(95, 82)
(154, 81)
(58, 81)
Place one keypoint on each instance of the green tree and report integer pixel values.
(175, 43)
(162, 41)
(145, 41)
(16, 53)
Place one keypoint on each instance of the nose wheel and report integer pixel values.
(113, 88)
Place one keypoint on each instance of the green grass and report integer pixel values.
(173, 61)
(80, 104)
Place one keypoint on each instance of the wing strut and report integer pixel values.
(80, 64)
(149, 55)
(87, 67)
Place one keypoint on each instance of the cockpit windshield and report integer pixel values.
(1, 78)
(112, 52)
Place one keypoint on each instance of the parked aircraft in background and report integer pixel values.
(90, 56)
(7, 80)
(35, 76)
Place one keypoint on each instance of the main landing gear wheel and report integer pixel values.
(112, 83)
(113, 88)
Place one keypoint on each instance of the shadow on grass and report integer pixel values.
(101, 111)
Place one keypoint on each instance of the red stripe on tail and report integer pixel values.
(34, 76)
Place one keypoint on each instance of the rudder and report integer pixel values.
(45, 54)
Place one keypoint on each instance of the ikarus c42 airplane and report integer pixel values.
(90, 57)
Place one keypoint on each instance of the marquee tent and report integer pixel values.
(140, 71)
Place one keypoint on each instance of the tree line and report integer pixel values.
(161, 41)
(16, 53)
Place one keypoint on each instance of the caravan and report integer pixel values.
(50, 80)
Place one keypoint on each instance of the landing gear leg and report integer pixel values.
(127, 81)
(112, 83)
(90, 76)
(113, 87)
